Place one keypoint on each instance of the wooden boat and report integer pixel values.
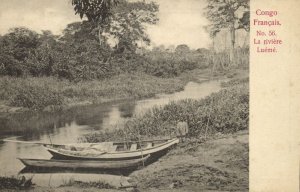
(84, 164)
(111, 150)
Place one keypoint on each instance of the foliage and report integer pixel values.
(226, 111)
(234, 82)
(127, 25)
(94, 10)
(220, 61)
(39, 92)
(183, 48)
(118, 19)
(224, 14)
(77, 55)
(168, 64)
(20, 183)
(81, 184)
(36, 97)
(15, 47)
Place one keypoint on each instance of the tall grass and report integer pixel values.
(37, 93)
(220, 61)
(226, 111)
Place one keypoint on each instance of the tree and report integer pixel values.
(96, 11)
(85, 58)
(20, 42)
(225, 14)
(183, 48)
(41, 61)
(129, 20)
(118, 19)
(15, 48)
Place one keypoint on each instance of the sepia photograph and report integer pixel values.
(124, 95)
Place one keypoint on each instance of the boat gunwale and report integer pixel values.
(115, 153)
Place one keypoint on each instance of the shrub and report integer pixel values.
(35, 97)
(234, 82)
(20, 183)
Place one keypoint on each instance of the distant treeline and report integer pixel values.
(77, 55)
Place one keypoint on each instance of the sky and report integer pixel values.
(180, 21)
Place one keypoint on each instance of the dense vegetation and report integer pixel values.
(87, 50)
(37, 93)
(226, 112)
(26, 53)
(91, 59)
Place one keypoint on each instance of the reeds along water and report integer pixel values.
(221, 60)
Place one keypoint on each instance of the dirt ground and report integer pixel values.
(220, 164)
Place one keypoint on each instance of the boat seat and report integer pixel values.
(149, 145)
(133, 147)
(104, 146)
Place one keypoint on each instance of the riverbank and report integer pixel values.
(52, 94)
(49, 94)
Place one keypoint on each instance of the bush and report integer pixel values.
(36, 98)
(20, 183)
(165, 64)
(234, 82)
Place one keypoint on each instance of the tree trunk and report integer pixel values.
(232, 39)
(99, 35)
(214, 55)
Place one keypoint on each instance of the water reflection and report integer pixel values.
(58, 179)
(74, 171)
(66, 126)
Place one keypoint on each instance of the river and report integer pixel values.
(67, 126)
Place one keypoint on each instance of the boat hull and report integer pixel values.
(154, 152)
(84, 164)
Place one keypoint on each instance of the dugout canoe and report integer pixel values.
(109, 151)
(84, 164)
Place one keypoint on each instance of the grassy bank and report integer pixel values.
(224, 112)
(48, 93)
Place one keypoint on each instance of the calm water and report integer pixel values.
(67, 126)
